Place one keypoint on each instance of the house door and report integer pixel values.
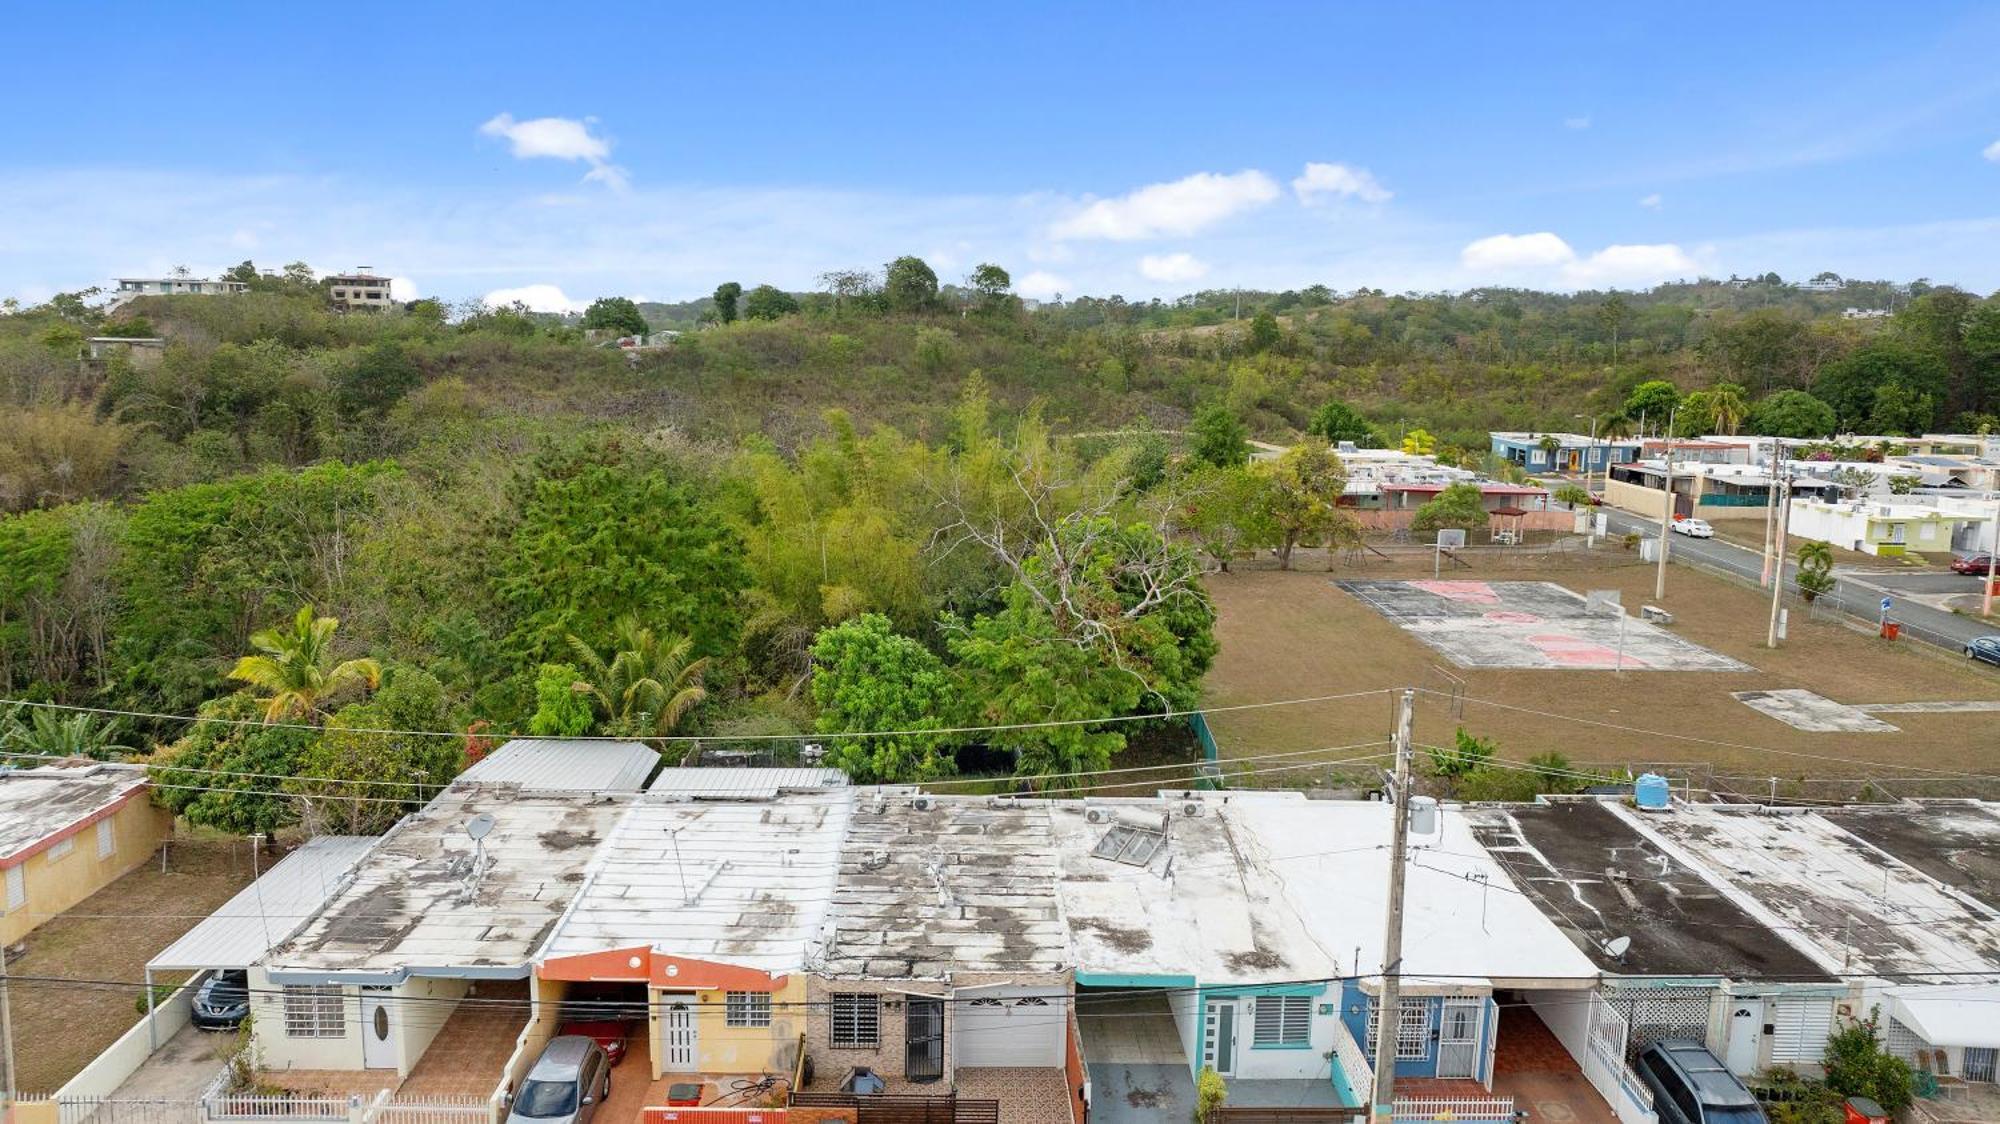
(1219, 1036)
(923, 1039)
(1979, 1063)
(1492, 1043)
(1458, 1038)
(1746, 1022)
(378, 1028)
(680, 1038)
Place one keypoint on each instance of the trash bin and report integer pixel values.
(684, 1094)
(1861, 1110)
(1891, 630)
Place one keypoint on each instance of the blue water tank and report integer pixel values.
(1652, 792)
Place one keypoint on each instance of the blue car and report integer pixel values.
(1985, 648)
(223, 1001)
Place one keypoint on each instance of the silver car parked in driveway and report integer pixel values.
(566, 1084)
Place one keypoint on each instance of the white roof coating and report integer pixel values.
(49, 801)
(931, 885)
(1208, 904)
(1464, 920)
(412, 906)
(269, 909)
(742, 883)
(566, 765)
(1949, 1014)
(1852, 906)
(708, 782)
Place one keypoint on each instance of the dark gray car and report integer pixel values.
(1691, 1087)
(565, 1085)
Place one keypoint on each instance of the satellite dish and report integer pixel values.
(1617, 946)
(480, 825)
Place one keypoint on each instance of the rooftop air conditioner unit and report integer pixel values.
(1191, 808)
(922, 803)
(1096, 815)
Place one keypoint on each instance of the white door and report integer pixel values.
(1218, 1037)
(678, 1031)
(1492, 1043)
(378, 1028)
(1020, 1027)
(1458, 1038)
(1746, 1029)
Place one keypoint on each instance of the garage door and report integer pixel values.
(1009, 1026)
(1801, 1027)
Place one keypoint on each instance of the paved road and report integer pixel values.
(1934, 585)
(1859, 595)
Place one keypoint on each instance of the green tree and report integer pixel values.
(1715, 409)
(992, 283)
(605, 531)
(563, 703)
(1465, 755)
(1218, 437)
(226, 771)
(1850, 384)
(768, 302)
(1793, 413)
(616, 314)
(1220, 509)
(1815, 575)
(1653, 400)
(1419, 443)
(867, 678)
(908, 285)
(1571, 495)
(1458, 505)
(1337, 421)
(1857, 1066)
(1300, 497)
(42, 732)
(375, 380)
(1264, 332)
(359, 781)
(726, 296)
(296, 670)
(1900, 410)
(648, 684)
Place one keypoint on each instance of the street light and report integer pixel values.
(1587, 470)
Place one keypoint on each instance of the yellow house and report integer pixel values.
(67, 830)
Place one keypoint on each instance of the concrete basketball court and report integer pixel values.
(1494, 625)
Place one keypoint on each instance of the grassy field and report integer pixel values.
(1294, 635)
(109, 936)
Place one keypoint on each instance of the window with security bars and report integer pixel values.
(1282, 1020)
(315, 1011)
(857, 1020)
(1413, 1028)
(747, 1008)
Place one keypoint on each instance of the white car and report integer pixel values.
(1693, 528)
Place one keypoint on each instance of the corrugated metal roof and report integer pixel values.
(265, 912)
(563, 765)
(711, 782)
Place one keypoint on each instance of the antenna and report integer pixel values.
(674, 834)
(478, 827)
(1616, 947)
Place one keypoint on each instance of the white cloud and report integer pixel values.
(1545, 254)
(1042, 286)
(539, 298)
(403, 289)
(559, 138)
(1651, 202)
(1992, 152)
(1577, 122)
(1178, 208)
(1171, 267)
(1320, 181)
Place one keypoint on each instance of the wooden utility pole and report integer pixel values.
(1771, 507)
(1387, 1020)
(1666, 512)
(1992, 563)
(1778, 570)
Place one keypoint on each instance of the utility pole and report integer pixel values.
(1387, 1020)
(1778, 571)
(1992, 562)
(1771, 507)
(1666, 512)
(7, 1028)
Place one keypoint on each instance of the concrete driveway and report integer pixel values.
(1138, 1069)
(181, 1068)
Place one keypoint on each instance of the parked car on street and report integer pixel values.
(1976, 564)
(1985, 649)
(222, 1001)
(1693, 528)
(565, 1085)
(1691, 1086)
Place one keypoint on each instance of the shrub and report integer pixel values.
(1210, 1091)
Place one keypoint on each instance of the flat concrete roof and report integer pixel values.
(934, 885)
(743, 883)
(42, 805)
(1956, 842)
(1860, 911)
(1597, 879)
(412, 907)
(268, 910)
(566, 765)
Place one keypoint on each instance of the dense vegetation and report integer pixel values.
(886, 505)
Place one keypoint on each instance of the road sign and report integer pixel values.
(1451, 537)
(1887, 604)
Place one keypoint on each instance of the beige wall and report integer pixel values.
(888, 1057)
(275, 1050)
(428, 1003)
(721, 1048)
(54, 884)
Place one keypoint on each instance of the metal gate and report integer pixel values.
(1979, 1063)
(1800, 1027)
(1653, 1013)
(1458, 1038)
(923, 1038)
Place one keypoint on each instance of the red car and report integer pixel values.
(1971, 564)
(608, 1033)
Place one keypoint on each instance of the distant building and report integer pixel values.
(179, 286)
(140, 351)
(1865, 314)
(1573, 452)
(360, 289)
(1891, 528)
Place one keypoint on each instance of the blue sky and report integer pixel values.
(1149, 150)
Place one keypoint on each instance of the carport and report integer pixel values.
(261, 915)
(1133, 1049)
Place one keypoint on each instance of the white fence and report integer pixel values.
(1360, 1075)
(1466, 1110)
(1605, 1068)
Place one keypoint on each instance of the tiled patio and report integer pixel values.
(1026, 1096)
(468, 1056)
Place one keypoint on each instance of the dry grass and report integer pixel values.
(1291, 635)
(109, 936)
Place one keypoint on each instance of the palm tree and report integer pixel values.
(1726, 399)
(45, 733)
(297, 670)
(648, 684)
(1815, 575)
(1616, 426)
